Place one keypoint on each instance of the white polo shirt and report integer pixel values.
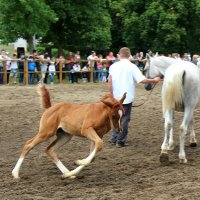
(124, 75)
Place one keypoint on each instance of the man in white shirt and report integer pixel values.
(122, 78)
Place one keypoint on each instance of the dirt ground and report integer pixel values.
(127, 173)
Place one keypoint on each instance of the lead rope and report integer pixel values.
(146, 98)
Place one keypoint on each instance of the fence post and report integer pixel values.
(91, 72)
(4, 73)
(60, 71)
(26, 72)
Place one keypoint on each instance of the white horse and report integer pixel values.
(180, 92)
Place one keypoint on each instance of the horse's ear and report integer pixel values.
(123, 97)
(108, 100)
(148, 57)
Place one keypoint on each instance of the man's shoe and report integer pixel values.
(121, 144)
(112, 142)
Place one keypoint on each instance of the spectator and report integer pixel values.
(14, 68)
(2, 54)
(92, 58)
(77, 56)
(135, 59)
(52, 71)
(99, 67)
(36, 58)
(186, 57)
(150, 52)
(75, 69)
(110, 60)
(60, 62)
(141, 61)
(69, 65)
(21, 69)
(31, 69)
(104, 73)
(43, 66)
(85, 73)
(8, 65)
(195, 59)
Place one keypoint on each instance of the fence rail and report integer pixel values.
(26, 72)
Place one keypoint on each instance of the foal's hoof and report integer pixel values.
(15, 176)
(164, 158)
(64, 176)
(193, 144)
(81, 162)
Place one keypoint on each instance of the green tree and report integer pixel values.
(24, 18)
(165, 26)
(81, 26)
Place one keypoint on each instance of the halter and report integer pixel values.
(146, 98)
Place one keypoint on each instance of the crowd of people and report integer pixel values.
(43, 68)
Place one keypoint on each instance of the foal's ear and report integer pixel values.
(108, 100)
(123, 97)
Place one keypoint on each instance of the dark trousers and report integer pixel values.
(21, 76)
(8, 76)
(122, 137)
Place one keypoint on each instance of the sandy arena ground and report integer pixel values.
(127, 173)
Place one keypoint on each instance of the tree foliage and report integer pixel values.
(80, 25)
(24, 18)
(164, 26)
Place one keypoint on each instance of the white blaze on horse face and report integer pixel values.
(120, 114)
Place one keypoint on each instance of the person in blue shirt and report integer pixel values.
(31, 69)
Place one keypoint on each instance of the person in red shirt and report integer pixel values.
(110, 60)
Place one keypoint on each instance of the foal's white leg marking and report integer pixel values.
(15, 171)
(73, 173)
(87, 160)
(82, 164)
(61, 167)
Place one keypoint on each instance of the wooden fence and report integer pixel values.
(60, 71)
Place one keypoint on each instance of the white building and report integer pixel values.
(20, 43)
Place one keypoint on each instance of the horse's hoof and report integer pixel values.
(164, 158)
(79, 162)
(193, 144)
(183, 161)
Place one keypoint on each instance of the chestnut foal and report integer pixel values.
(66, 120)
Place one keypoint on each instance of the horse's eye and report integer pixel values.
(114, 117)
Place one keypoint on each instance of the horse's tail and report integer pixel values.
(44, 96)
(172, 94)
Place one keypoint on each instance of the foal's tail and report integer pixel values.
(44, 96)
(172, 94)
